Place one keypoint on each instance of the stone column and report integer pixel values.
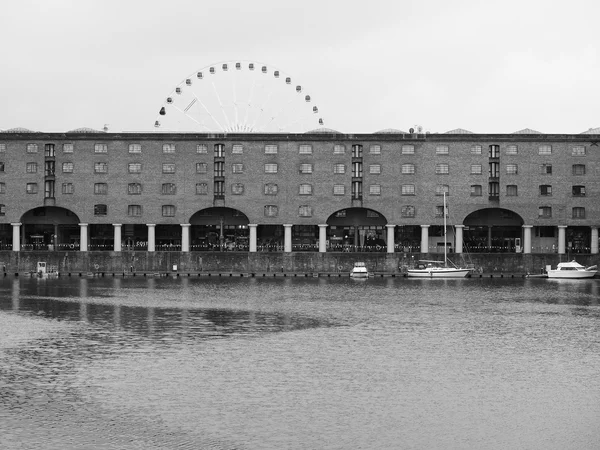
(594, 243)
(16, 245)
(83, 237)
(424, 238)
(117, 231)
(252, 244)
(287, 238)
(458, 245)
(151, 237)
(527, 238)
(390, 238)
(322, 238)
(561, 239)
(185, 237)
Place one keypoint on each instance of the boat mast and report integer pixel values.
(445, 257)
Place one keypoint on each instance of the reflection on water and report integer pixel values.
(299, 363)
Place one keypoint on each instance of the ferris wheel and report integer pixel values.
(238, 96)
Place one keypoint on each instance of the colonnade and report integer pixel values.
(287, 229)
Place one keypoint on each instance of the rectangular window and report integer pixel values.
(476, 190)
(476, 169)
(305, 211)
(546, 169)
(201, 168)
(439, 211)
(407, 211)
(442, 169)
(49, 189)
(100, 188)
(134, 210)
(375, 150)
(357, 168)
(357, 151)
(2, 148)
(219, 150)
(100, 210)
(511, 169)
(31, 167)
(270, 168)
(237, 149)
(578, 150)
(168, 189)
(100, 148)
(271, 211)
(494, 151)
(219, 188)
(305, 189)
(545, 150)
(476, 150)
(32, 188)
(270, 149)
(578, 169)
(578, 213)
(578, 191)
(49, 168)
(408, 169)
(546, 190)
(511, 150)
(442, 189)
(134, 167)
(32, 148)
(441, 150)
(2, 210)
(305, 150)
(306, 168)
(49, 150)
(168, 211)
(134, 189)
(408, 149)
(2, 188)
(237, 189)
(135, 148)
(545, 212)
(270, 189)
(339, 149)
(375, 189)
(339, 189)
(168, 148)
(168, 168)
(100, 167)
(511, 190)
(408, 189)
(219, 168)
(67, 148)
(67, 167)
(202, 148)
(375, 169)
(237, 168)
(201, 189)
(67, 188)
(339, 168)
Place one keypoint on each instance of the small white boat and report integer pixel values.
(572, 270)
(436, 269)
(359, 270)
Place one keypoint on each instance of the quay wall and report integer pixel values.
(243, 262)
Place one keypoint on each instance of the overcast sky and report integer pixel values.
(486, 67)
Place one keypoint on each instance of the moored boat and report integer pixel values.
(572, 269)
(359, 270)
(436, 269)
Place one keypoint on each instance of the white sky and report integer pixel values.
(488, 67)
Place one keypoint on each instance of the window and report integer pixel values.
(356, 190)
(578, 150)
(2, 148)
(31, 167)
(100, 167)
(270, 189)
(271, 211)
(545, 212)
(49, 186)
(270, 168)
(546, 169)
(578, 191)
(49, 150)
(2, 210)
(494, 189)
(306, 168)
(305, 150)
(67, 188)
(32, 188)
(305, 211)
(578, 212)
(511, 169)
(341, 213)
(339, 189)
(494, 151)
(100, 210)
(49, 167)
(219, 150)
(476, 190)
(201, 168)
(357, 169)
(67, 148)
(375, 150)
(442, 169)
(201, 189)
(441, 150)
(100, 148)
(168, 189)
(168, 211)
(407, 211)
(237, 168)
(511, 190)
(32, 148)
(202, 148)
(494, 169)
(134, 189)
(578, 169)
(270, 149)
(408, 169)
(237, 149)
(67, 167)
(305, 189)
(375, 168)
(339, 149)
(511, 150)
(100, 188)
(442, 189)
(375, 189)
(545, 150)
(134, 210)
(408, 150)
(476, 169)
(237, 189)
(408, 189)
(476, 150)
(545, 190)
(439, 211)
(168, 168)
(168, 148)
(134, 167)
(2, 188)
(357, 151)
(135, 148)
(339, 168)
(219, 188)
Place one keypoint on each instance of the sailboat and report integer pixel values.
(438, 269)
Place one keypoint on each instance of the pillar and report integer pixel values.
(424, 238)
(594, 243)
(16, 237)
(287, 238)
(458, 245)
(561, 239)
(117, 233)
(151, 237)
(185, 237)
(252, 227)
(527, 238)
(390, 238)
(322, 238)
(83, 237)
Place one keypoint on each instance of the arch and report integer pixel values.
(219, 228)
(49, 228)
(493, 230)
(357, 229)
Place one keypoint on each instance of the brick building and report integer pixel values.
(317, 191)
